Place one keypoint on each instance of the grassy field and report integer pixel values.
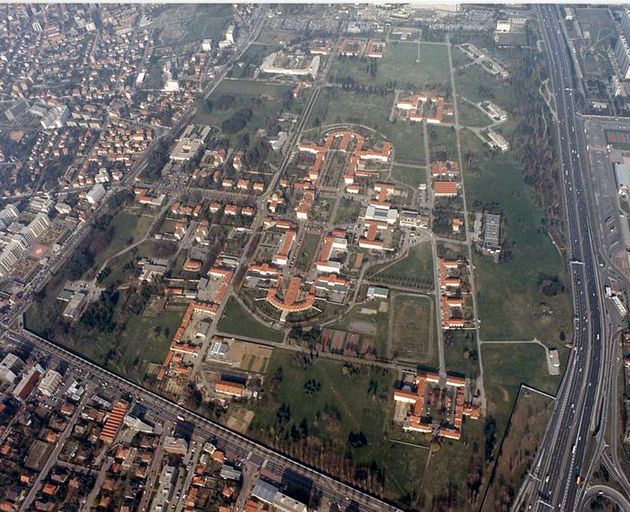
(411, 176)
(127, 227)
(371, 110)
(417, 266)
(460, 353)
(349, 400)
(145, 338)
(511, 289)
(413, 336)
(413, 66)
(507, 366)
(251, 59)
(199, 22)
(347, 211)
(476, 84)
(265, 100)
(306, 252)
(527, 427)
(236, 321)
(469, 115)
(455, 465)
(442, 143)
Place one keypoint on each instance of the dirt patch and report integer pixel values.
(363, 327)
(239, 420)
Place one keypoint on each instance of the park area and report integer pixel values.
(413, 329)
(416, 268)
(238, 322)
(510, 365)
(242, 107)
(526, 430)
(514, 288)
(336, 416)
(409, 66)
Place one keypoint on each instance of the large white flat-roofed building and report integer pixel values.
(191, 142)
(383, 214)
(278, 63)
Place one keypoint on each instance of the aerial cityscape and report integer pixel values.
(307, 257)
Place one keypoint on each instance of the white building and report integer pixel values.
(50, 383)
(277, 63)
(96, 193)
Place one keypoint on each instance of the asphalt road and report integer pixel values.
(556, 476)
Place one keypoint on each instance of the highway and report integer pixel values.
(555, 480)
(235, 445)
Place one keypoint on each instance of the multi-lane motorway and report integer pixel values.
(556, 479)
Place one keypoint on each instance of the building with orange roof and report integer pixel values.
(230, 209)
(446, 169)
(415, 405)
(114, 421)
(291, 302)
(281, 258)
(263, 270)
(420, 107)
(192, 265)
(445, 188)
(229, 388)
(375, 49)
(305, 205)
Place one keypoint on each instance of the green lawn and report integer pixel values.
(442, 143)
(411, 176)
(349, 400)
(505, 368)
(416, 267)
(413, 336)
(477, 85)
(127, 227)
(307, 250)
(470, 115)
(145, 338)
(251, 59)
(510, 290)
(399, 68)
(239, 322)
(347, 211)
(265, 100)
(460, 352)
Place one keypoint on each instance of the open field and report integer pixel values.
(526, 429)
(265, 100)
(306, 251)
(251, 60)
(192, 23)
(411, 176)
(413, 336)
(126, 228)
(476, 84)
(455, 470)
(442, 143)
(349, 400)
(413, 66)
(512, 289)
(347, 211)
(416, 267)
(470, 115)
(142, 339)
(511, 365)
(371, 110)
(239, 322)
(369, 322)
(460, 353)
